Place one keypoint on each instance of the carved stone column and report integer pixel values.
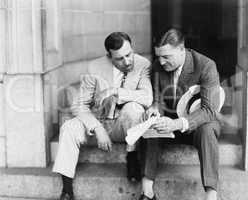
(243, 64)
(23, 85)
(3, 63)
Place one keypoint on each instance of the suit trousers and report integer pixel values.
(73, 134)
(204, 138)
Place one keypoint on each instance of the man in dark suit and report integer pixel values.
(174, 71)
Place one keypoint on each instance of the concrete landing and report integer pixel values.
(230, 151)
(108, 181)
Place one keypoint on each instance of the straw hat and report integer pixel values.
(191, 101)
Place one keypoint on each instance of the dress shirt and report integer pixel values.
(118, 77)
(176, 78)
(119, 80)
(177, 74)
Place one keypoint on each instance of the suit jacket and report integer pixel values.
(137, 87)
(197, 69)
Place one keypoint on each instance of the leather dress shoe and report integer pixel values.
(144, 197)
(66, 196)
(133, 167)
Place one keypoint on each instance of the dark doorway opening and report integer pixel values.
(210, 27)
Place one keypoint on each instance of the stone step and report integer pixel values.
(230, 151)
(108, 181)
(20, 198)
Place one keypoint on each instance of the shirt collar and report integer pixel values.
(179, 69)
(116, 71)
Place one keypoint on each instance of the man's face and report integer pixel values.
(123, 58)
(170, 57)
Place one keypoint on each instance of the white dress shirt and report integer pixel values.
(177, 74)
(117, 77)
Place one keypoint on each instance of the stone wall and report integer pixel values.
(44, 46)
(22, 128)
(82, 27)
(3, 37)
(2, 131)
(87, 23)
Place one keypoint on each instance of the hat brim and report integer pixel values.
(183, 109)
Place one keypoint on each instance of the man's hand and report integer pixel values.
(151, 111)
(100, 97)
(165, 125)
(103, 139)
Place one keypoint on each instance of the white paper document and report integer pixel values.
(143, 129)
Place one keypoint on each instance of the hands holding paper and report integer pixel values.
(164, 125)
(152, 111)
(159, 127)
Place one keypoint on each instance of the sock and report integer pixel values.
(67, 185)
(133, 166)
(131, 148)
(132, 154)
(147, 187)
(131, 158)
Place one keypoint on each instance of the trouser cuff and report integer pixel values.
(149, 174)
(210, 182)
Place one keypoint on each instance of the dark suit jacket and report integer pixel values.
(197, 69)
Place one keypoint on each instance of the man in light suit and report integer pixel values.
(113, 96)
(174, 71)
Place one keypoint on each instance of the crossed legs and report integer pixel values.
(73, 135)
(205, 140)
(130, 115)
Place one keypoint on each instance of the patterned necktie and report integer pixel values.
(123, 79)
(117, 107)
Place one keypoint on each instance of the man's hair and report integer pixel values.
(115, 40)
(173, 37)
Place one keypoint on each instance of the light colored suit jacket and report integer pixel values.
(137, 88)
(197, 70)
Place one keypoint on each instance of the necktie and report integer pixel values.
(119, 106)
(123, 79)
(115, 108)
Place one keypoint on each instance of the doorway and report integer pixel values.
(210, 27)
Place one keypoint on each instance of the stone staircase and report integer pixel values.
(108, 181)
(230, 151)
(102, 175)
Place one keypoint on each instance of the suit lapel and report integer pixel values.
(188, 68)
(106, 71)
(132, 78)
(185, 76)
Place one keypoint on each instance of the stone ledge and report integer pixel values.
(108, 181)
(20, 198)
(2, 152)
(230, 151)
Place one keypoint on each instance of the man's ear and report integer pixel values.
(109, 55)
